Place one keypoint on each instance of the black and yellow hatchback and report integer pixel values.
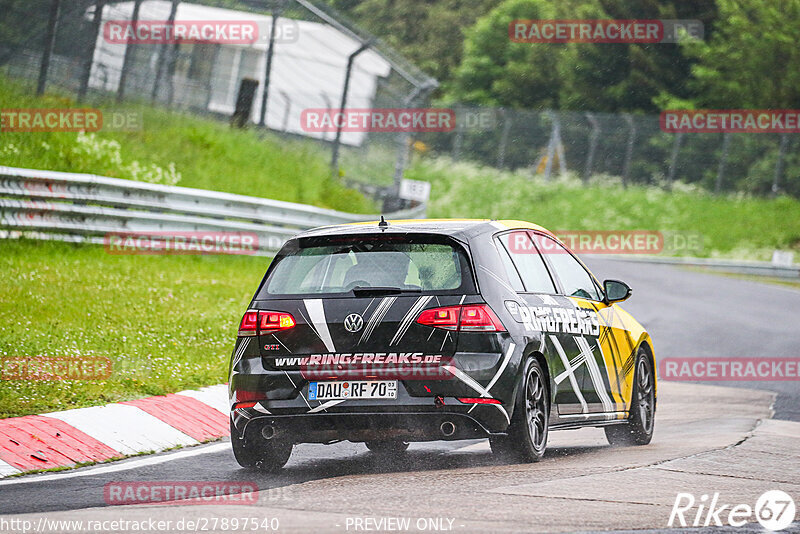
(392, 332)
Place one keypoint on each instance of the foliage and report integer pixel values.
(731, 226)
(167, 323)
(172, 148)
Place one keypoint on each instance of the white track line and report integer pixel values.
(6, 469)
(483, 446)
(122, 466)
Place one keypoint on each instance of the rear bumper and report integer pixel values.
(421, 406)
(365, 426)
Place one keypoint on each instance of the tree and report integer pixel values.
(575, 76)
(751, 60)
(498, 72)
(428, 33)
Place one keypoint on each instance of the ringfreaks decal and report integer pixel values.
(406, 358)
(576, 321)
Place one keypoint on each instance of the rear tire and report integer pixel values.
(264, 455)
(387, 447)
(527, 435)
(638, 430)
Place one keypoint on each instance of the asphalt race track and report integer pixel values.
(709, 439)
(702, 314)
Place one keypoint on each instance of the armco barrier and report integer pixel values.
(756, 268)
(84, 208)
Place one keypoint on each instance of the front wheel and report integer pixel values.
(638, 430)
(527, 435)
(265, 455)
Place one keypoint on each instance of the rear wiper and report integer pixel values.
(376, 291)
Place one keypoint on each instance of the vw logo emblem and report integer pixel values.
(353, 323)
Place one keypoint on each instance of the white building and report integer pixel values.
(308, 69)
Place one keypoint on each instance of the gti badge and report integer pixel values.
(353, 323)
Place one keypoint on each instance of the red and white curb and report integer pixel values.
(64, 439)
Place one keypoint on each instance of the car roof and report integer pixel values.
(462, 229)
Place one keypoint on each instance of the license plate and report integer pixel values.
(353, 389)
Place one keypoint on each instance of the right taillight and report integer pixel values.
(265, 322)
(468, 318)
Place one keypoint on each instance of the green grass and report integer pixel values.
(734, 227)
(167, 323)
(179, 149)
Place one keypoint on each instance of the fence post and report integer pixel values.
(287, 98)
(89, 59)
(403, 148)
(162, 53)
(779, 164)
(555, 135)
(562, 159)
(458, 142)
(594, 137)
(328, 105)
(337, 141)
(171, 64)
(126, 62)
(501, 152)
(50, 41)
(673, 163)
(276, 13)
(723, 160)
(626, 167)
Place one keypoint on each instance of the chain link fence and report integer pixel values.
(304, 56)
(308, 56)
(630, 149)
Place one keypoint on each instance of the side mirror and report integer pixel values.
(616, 291)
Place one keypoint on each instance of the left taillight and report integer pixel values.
(255, 322)
(467, 318)
(247, 399)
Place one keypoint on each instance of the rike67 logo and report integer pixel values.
(774, 510)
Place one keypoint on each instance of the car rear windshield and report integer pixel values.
(407, 265)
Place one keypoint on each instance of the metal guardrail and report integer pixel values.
(759, 268)
(84, 208)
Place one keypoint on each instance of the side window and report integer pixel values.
(528, 261)
(576, 280)
(511, 271)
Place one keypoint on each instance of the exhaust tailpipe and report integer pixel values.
(268, 432)
(447, 428)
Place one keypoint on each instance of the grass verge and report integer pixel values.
(178, 149)
(733, 227)
(167, 323)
